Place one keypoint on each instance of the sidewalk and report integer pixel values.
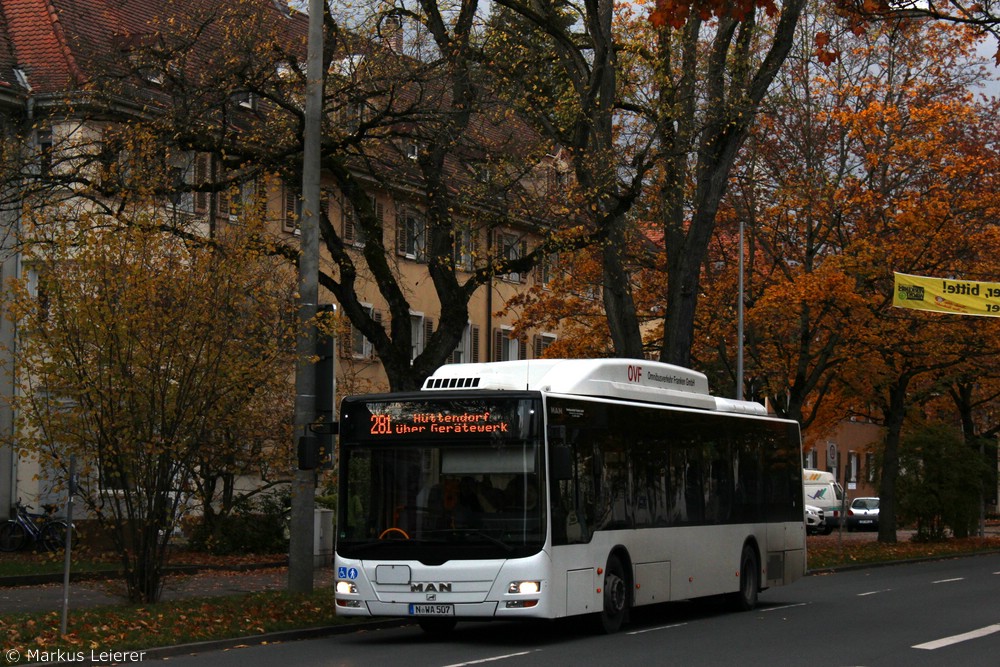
(98, 592)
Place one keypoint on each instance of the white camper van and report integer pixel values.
(823, 491)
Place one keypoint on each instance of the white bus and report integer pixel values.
(554, 488)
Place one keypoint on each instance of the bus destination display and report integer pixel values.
(438, 423)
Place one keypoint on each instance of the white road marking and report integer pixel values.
(494, 658)
(884, 590)
(955, 639)
(947, 581)
(787, 606)
(662, 627)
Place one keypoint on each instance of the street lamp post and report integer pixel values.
(301, 522)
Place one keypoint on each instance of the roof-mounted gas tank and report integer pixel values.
(626, 379)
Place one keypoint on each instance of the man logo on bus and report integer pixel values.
(634, 373)
(431, 587)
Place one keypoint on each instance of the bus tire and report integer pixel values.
(437, 627)
(615, 594)
(745, 599)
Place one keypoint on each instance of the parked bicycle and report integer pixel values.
(39, 529)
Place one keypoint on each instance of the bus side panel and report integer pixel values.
(785, 556)
(580, 587)
(652, 582)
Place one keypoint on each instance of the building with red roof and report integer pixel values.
(72, 70)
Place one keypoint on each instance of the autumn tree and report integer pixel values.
(913, 196)
(408, 123)
(409, 128)
(981, 16)
(150, 360)
(659, 105)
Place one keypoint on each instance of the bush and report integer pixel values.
(941, 486)
(255, 525)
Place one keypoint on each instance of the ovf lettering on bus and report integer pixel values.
(634, 373)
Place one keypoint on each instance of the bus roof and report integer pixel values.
(627, 379)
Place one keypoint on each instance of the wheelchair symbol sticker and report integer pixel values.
(347, 573)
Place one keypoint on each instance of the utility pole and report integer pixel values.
(302, 528)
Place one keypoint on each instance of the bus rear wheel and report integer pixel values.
(616, 600)
(745, 599)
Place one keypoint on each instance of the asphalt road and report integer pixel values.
(919, 614)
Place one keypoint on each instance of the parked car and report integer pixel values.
(863, 514)
(814, 520)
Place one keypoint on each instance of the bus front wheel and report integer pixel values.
(616, 602)
(745, 599)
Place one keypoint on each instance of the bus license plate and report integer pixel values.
(432, 610)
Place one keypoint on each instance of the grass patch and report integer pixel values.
(127, 627)
(24, 563)
(39, 563)
(829, 553)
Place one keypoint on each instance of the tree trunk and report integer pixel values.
(894, 418)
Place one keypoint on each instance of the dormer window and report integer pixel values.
(142, 49)
(245, 99)
(22, 78)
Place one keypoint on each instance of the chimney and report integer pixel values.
(391, 32)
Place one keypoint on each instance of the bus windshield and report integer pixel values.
(437, 479)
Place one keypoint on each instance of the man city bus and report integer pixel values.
(555, 488)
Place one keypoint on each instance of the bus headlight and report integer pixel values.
(524, 587)
(347, 587)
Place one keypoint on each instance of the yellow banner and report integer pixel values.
(941, 295)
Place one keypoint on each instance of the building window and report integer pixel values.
(411, 232)
(810, 459)
(546, 270)
(511, 247)
(352, 114)
(43, 148)
(467, 350)
(507, 347)
(202, 176)
(357, 346)
(353, 232)
(421, 329)
(465, 247)
(147, 68)
(542, 343)
(555, 181)
(244, 99)
(291, 209)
